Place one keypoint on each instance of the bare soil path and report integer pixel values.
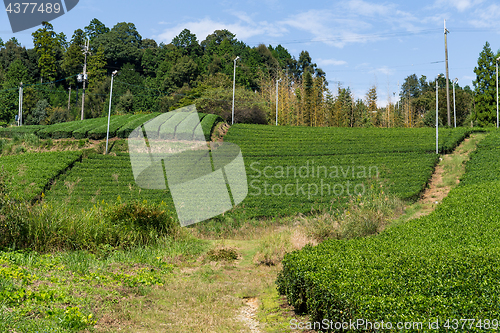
(446, 176)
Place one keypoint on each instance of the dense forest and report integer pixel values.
(164, 77)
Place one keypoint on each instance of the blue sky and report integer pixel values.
(358, 43)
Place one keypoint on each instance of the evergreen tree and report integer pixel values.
(9, 95)
(188, 43)
(47, 45)
(95, 29)
(95, 67)
(485, 87)
(72, 63)
(371, 103)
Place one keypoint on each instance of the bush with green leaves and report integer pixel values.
(438, 267)
(142, 216)
(39, 113)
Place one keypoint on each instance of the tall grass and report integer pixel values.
(45, 227)
(366, 215)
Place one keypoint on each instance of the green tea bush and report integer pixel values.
(132, 124)
(116, 122)
(208, 123)
(443, 266)
(14, 228)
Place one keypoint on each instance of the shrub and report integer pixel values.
(142, 216)
(248, 106)
(38, 115)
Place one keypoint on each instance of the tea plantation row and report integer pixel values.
(442, 267)
(298, 169)
(96, 128)
(32, 173)
(101, 178)
(314, 178)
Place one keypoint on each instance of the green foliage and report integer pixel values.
(121, 45)
(63, 291)
(294, 170)
(95, 67)
(143, 216)
(47, 45)
(208, 124)
(102, 178)
(9, 96)
(38, 115)
(483, 166)
(31, 173)
(95, 29)
(424, 270)
(248, 108)
(100, 132)
(484, 86)
(133, 123)
(74, 58)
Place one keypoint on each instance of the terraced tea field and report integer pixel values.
(441, 268)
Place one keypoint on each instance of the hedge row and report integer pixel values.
(208, 123)
(11, 132)
(96, 128)
(115, 123)
(132, 124)
(441, 267)
(101, 178)
(31, 173)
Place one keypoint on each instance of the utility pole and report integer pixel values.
(69, 98)
(85, 52)
(277, 82)
(109, 112)
(454, 105)
(20, 115)
(447, 74)
(234, 88)
(437, 117)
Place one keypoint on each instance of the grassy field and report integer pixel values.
(118, 261)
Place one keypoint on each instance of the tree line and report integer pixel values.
(162, 77)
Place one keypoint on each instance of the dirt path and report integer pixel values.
(248, 314)
(239, 295)
(447, 175)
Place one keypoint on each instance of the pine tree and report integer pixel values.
(46, 44)
(73, 59)
(485, 87)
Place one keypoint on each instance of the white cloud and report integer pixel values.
(487, 17)
(329, 28)
(352, 22)
(460, 5)
(244, 28)
(331, 62)
(370, 9)
(383, 70)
